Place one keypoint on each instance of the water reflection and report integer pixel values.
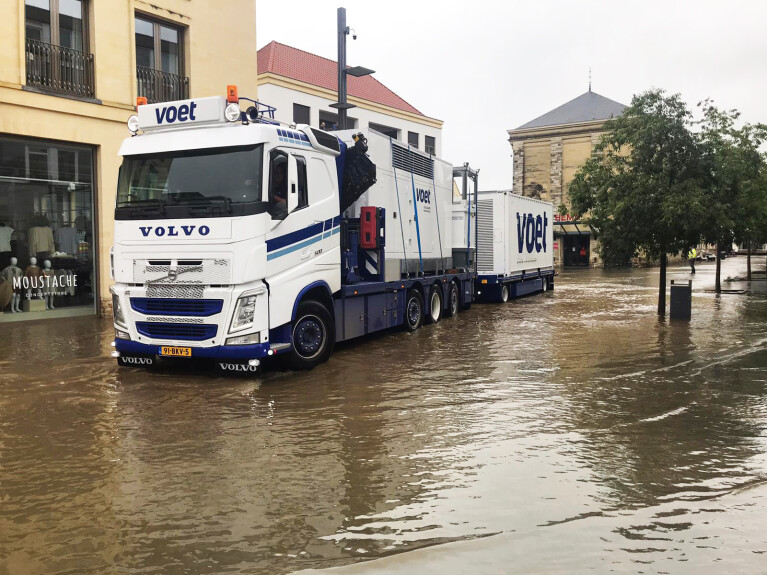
(561, 409)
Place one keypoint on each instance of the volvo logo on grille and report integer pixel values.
(172, 275)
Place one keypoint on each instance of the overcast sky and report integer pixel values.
(486, 67)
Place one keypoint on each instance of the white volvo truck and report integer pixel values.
(237, 238)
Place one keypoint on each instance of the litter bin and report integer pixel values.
(681, 299)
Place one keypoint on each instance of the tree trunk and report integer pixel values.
(718, 281)
(748, 264)
(662, 286)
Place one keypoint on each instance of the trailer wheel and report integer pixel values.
(413, 310)
(545, 284)
(434, 307)
(453, 300)
(504, 293)
(313, 336)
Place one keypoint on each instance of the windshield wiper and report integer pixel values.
(140, 207)
(210, 204)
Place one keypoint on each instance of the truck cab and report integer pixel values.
(222, 222)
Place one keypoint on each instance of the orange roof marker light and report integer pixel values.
(140, 101)
(231, 94)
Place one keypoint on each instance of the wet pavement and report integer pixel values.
(566, 432)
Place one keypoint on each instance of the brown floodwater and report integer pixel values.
(574, 407)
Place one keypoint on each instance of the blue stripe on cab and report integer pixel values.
(293, 248)
(293, 237)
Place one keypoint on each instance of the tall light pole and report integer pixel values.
(342, 105)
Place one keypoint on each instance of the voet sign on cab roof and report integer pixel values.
(182, 113)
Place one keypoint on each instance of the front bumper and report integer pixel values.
(219, 352)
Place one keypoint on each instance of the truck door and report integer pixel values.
(295, 231)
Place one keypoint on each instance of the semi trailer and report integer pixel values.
(238, 238)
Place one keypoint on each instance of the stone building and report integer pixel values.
(547, 152)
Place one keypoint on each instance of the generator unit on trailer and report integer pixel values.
(237, 238)
(514, 246)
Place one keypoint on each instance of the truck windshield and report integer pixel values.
(220, 182)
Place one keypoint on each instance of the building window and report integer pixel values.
(159, 61)
(329, 121)
(47, 249)
(301, 114)
(57, 56)
(385, 130)
(412, 139)
(430, 147)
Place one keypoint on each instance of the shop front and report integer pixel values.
(572, 240)
(47, 250)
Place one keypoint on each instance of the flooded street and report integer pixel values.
(571, 431)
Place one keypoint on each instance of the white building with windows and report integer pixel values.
(302, 86)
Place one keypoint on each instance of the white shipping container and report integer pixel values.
(515, 234)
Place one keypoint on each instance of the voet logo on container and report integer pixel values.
(531, 232)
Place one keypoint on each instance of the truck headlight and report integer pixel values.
(117, 310)
(244, 313)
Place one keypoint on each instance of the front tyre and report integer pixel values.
(313, 336)
(413, 310)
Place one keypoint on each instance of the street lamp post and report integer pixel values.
(342, 105)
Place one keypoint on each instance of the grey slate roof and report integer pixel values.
(585, 108)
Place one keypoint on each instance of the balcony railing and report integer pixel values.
(59, 69)
(157, 86)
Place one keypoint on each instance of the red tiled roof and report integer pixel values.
(293, 63)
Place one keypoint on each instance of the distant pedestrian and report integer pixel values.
(322, 125)
(691, 258)
(583, 251)
(334, 127)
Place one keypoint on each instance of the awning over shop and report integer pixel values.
(571, 228)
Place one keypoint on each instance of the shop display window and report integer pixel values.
(47, 247)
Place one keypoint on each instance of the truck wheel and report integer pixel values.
(313, 336)
(413, 310)
(504, 293)
(453, 300)
(434, 309)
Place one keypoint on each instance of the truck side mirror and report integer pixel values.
(292, 183)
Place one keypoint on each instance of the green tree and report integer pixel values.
(642, 189)
(734, 179)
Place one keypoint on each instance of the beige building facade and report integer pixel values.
(70, 73)
(547, 152)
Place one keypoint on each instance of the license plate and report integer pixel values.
(176, 351)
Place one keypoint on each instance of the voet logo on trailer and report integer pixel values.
(531, 232)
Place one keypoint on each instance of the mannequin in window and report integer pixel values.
(278, 190)
(48, 291)
(5, 244)
(10, 273)
(33, 272)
